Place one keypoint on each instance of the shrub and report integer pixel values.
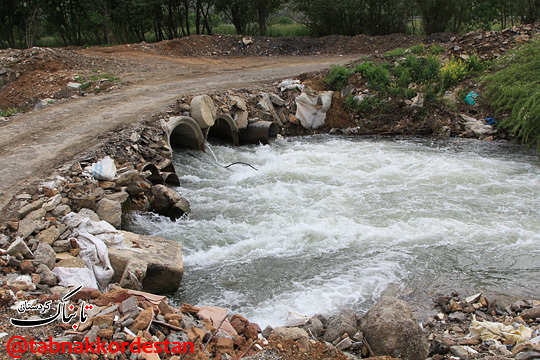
(476, 65)
(436, 49)
(418, 49)
(394, 54)
(452, 73)
(377, 76)
(337, 78)
(353, 104)
(8, 112)
(514, 89)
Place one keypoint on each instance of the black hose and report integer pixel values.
(241, 163)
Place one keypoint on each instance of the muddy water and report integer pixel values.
(328, 222)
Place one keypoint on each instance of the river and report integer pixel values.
(327, 222)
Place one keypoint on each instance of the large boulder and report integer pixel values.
(391, 330)
(343, 323)
(147, 263)
(167, 202)
(203, 110)
(110, 211)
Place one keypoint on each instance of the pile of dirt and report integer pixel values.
(37, 73)
(234, 45)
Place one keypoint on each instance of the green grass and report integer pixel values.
(337, 78)
(395, 54)
(418, 49)
(513, 90)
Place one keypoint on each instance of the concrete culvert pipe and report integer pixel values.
(170, 179)
(155, 178)
(259, 132)
(224, 129)
(184, 132)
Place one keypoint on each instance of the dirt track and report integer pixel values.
(35, 143)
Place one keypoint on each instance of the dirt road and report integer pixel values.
(33, 144)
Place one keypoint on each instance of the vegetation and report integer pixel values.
(399, 77)
(25, 23)
(87, 83)
(8, 112)
(513, 90)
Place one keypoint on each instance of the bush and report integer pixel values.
(377, 76)
(436, 49)
(353, 104)
(418, 49)
(514, 89)
(452, 73)
(337, 78)
(8, 112)
(394, 54)
(476, 65)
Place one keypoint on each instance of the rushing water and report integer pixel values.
(329, 222)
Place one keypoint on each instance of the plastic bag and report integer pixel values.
(295, 319)
(75, 277)
(488, 330)
(311, 108)
(290, 84)
(104, 169)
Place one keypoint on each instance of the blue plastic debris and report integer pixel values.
(490, 120)
(470, 98)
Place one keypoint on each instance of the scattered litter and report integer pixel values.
(488, 330)
(295, 319)
(490, 120)
(104, 169)
(471, 98)
(290, 85)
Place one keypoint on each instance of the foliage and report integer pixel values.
(418, 49)
(8, 112)
(474, 64)
(436, 49)
(352, 17)
(337, 78)
(514, 90)
(90, 81)
(395, 54)
(354, 104)
(453, 72)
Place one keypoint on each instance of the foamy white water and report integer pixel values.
(329, 222)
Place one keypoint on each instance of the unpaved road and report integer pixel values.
(34, 144)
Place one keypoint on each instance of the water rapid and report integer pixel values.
(327, 222)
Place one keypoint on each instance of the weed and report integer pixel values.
(418, 49)
(9, 112)
(476, 65)
(394, 54)
(360, 104)
(436, 49)
(89, 82)
(452, 73)
(337, 78)
(377, 76)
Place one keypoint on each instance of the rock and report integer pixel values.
(126, 178)
(164, 308)
(463, 352)
(142, 320)
(287, 333)
(130, 307)
(21, 282)
(391, 330)
(73, 86)
(203, 111)
(344, 344)
(241, 119)
(265, 104)
(457, 316)
(251, 332)
(276, 100)
(27, 228)
(48, 236)
(61, 246)
(20, 247)
(179, 209)
(157, 264)
(74, 262)
(36, 214)
(342, 323)
(45, 255)
(106, 334)
(4, 241)
(267, 331)
(528, 355)
(52, 203)
(315, 327)
(120, 197)
(86, 294)
(110, 211)
(61, 211)
(114, 295)
(47, 276)
(531, 314)
(225, 345)
(29, 208)
(87, 213)
(26, 266)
